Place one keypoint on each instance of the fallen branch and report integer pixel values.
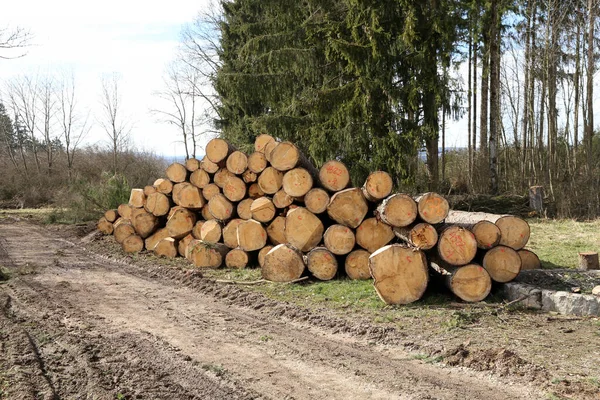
(257, 282)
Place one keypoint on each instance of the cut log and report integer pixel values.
(398, 210)
(125, 211)
(137, 211)
(257, 162)
(283, 264)
(282, 200)
(529, 260)
(137, 198)
(122, 229)
(211, 231)
(276, 231)
(192, 164)
(181, 223)
(234, 189)
(132, 244)
(206, 255)
(176, 173)
(433, 208)
(183, 245)
(270, 180)
(210, 190)
(339, 239)
(262, 209)
(457, 245)
(422, 236)
(303, 229)
(322, 264)
(145, 224)
(470, 283)
(487, 234)
(148, 190)
(156, 237)
(200, 178)
(222, 176)
(237, 162)
(502, 263)
(357, 265)
(348, 207)
(373, 234)
(261, 142)
(588, 260)
(237, 258)
(378, 186)
(269, 149)
(197, 229)
(105, 226)
(243, 208)
(316, 200)
(334, 176)
(251, 235)
(189, 196)
(163, 186)
(262, 253)
(230, 236)
(254, 191)
(514, 231)
(400, 274)
(286, 156)
(166, 248)
(297, 182)
(220, 208)
(218, 149)
(157, 204)
(209, 166)
(249, 176)
(111, 215)
(205, 213)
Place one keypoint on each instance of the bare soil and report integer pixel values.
(80, 321)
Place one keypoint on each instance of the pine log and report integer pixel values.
(297, 182)
(357, 265)
(514, 230)
(303, 229)
(132, 244)
(282, 200)
(348, 207)
(230, 235)
(237, 162)
(152, 240)
(234, 189)
(210, 190)
(422, 236)
(206, 255)
(286, 156)
(261, 142)
(197, 229)
(137, 198)
(183, 245)
(316, 200)
(400, 274)
(588, 260)
(220, 208)
(339, 239)
(283, 264)
(373, 234)
(218, 149)
(433, 208)
(322, 264)
(398, 210)
(486, 233)
(176, 173)
(249, 176)
(378, 186)
(269, 149)
(270, 180)
(111, 215)
(163, 186)
(254, 191)
(192, 164)
(137, 211)
(181, 222)
(209, 166)
(251, 235)
(457, 245)
(257, 162)
(334, 176)
(148, 190)
(276, 230)
(122, 229)
(157, 204)
(125, 211)
(222, 176)
(105, 226)
(237, 258)
(167, 247)
(211, 231)
(470, 283)
(243, 208)
(529, 260)
(502, 263)
(145, 224)
(189, 196)
(205, 213)
(262, 253)
(262, 209)
(200, 178)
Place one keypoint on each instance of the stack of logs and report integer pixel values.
(275, 208)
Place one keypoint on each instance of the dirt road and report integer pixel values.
(76, 325)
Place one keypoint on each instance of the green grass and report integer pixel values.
(558, 242)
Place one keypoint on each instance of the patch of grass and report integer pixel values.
(241, 275)
(218, 370)
(460, 319)
(121, 396)
(427, 359)
(265, 338)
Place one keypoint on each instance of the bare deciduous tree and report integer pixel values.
(11, 39)
(112, 121)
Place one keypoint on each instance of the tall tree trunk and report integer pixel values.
(576, 78)
(469, 96)
(589, 129)
(525, 120)
(485, 73)
(494, 67)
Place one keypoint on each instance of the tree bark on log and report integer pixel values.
(433, 208)
(322, 264)
(398, 210)
(303, 229)
(357, 265)
(334, 176)
(283, 264)
(373, 234)
(422, 236)
(348, 207)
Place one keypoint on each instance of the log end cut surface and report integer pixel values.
(433, 208)
(502, 263)
(529, 260)
(471, 283)
(457, 245)
(322, 264)
(283, 264)
(348, 207)
(334, 176)
(487, 234)
(357, 265)
(515, 231)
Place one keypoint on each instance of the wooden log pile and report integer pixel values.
(274, 208)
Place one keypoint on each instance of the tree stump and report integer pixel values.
(587, 261)
(536, 199)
